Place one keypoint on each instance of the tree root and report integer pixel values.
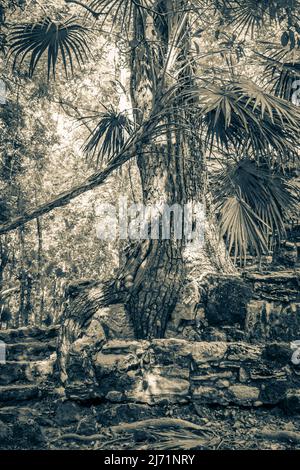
(80, 438)
(287, 436)
(156, 423)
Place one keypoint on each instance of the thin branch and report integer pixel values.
(96, 179)
(86, 7)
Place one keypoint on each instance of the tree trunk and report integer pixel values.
(173, 171)
(40, 291)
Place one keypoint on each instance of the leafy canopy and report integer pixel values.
(258, 125)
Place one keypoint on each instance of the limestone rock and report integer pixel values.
(273, 391)
(19, 392)
(155, 387)
(209, 395)
(115, 397)
(243, 352)
(243, 394)
(214, 334)
(243, 375)
(67, 413)
(291, 402)
(205, 352)
(172, 351)
(226, 299)
(270, 320)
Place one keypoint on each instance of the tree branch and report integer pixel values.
(8, 292)
(64, 198)
(90, 10)
(96, 179)
(130, 149)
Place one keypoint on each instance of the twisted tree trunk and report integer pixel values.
(172, 170)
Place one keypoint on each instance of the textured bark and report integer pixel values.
(173, 171)
(82, 302)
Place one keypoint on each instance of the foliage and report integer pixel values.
(249, 15)
(253, 203)
(109, 136)
(282, 70)
(66, 39)
(243, 116)
(122, 11)
(41, 149)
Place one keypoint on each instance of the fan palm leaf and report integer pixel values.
(282, 71)
(65, 40)
(283, 77)
(253, 203)
(249, 15)
(243, 116)
(122, 11)
(109, 135)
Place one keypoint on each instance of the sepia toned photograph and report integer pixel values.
(149, 228)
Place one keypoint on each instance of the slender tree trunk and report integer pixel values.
(40, 276)
(3, 260)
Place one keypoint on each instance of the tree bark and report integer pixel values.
(174, 172)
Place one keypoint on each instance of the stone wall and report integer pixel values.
(273, 312)
(253, 308)
(27, 370)
(179, 371)
(234, 348)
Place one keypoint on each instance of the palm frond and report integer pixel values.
(243, 116)
(240, 225)
(65, 40)
(281, 72)
(109, 135)
(250, 15)
(121, 11)
(253, 204)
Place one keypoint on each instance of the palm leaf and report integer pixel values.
(122, 11)
(109, 135)
(241, 227)
(253, 203)
(243, 116)
(282, 71)
(66, 40)
(249, 15)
